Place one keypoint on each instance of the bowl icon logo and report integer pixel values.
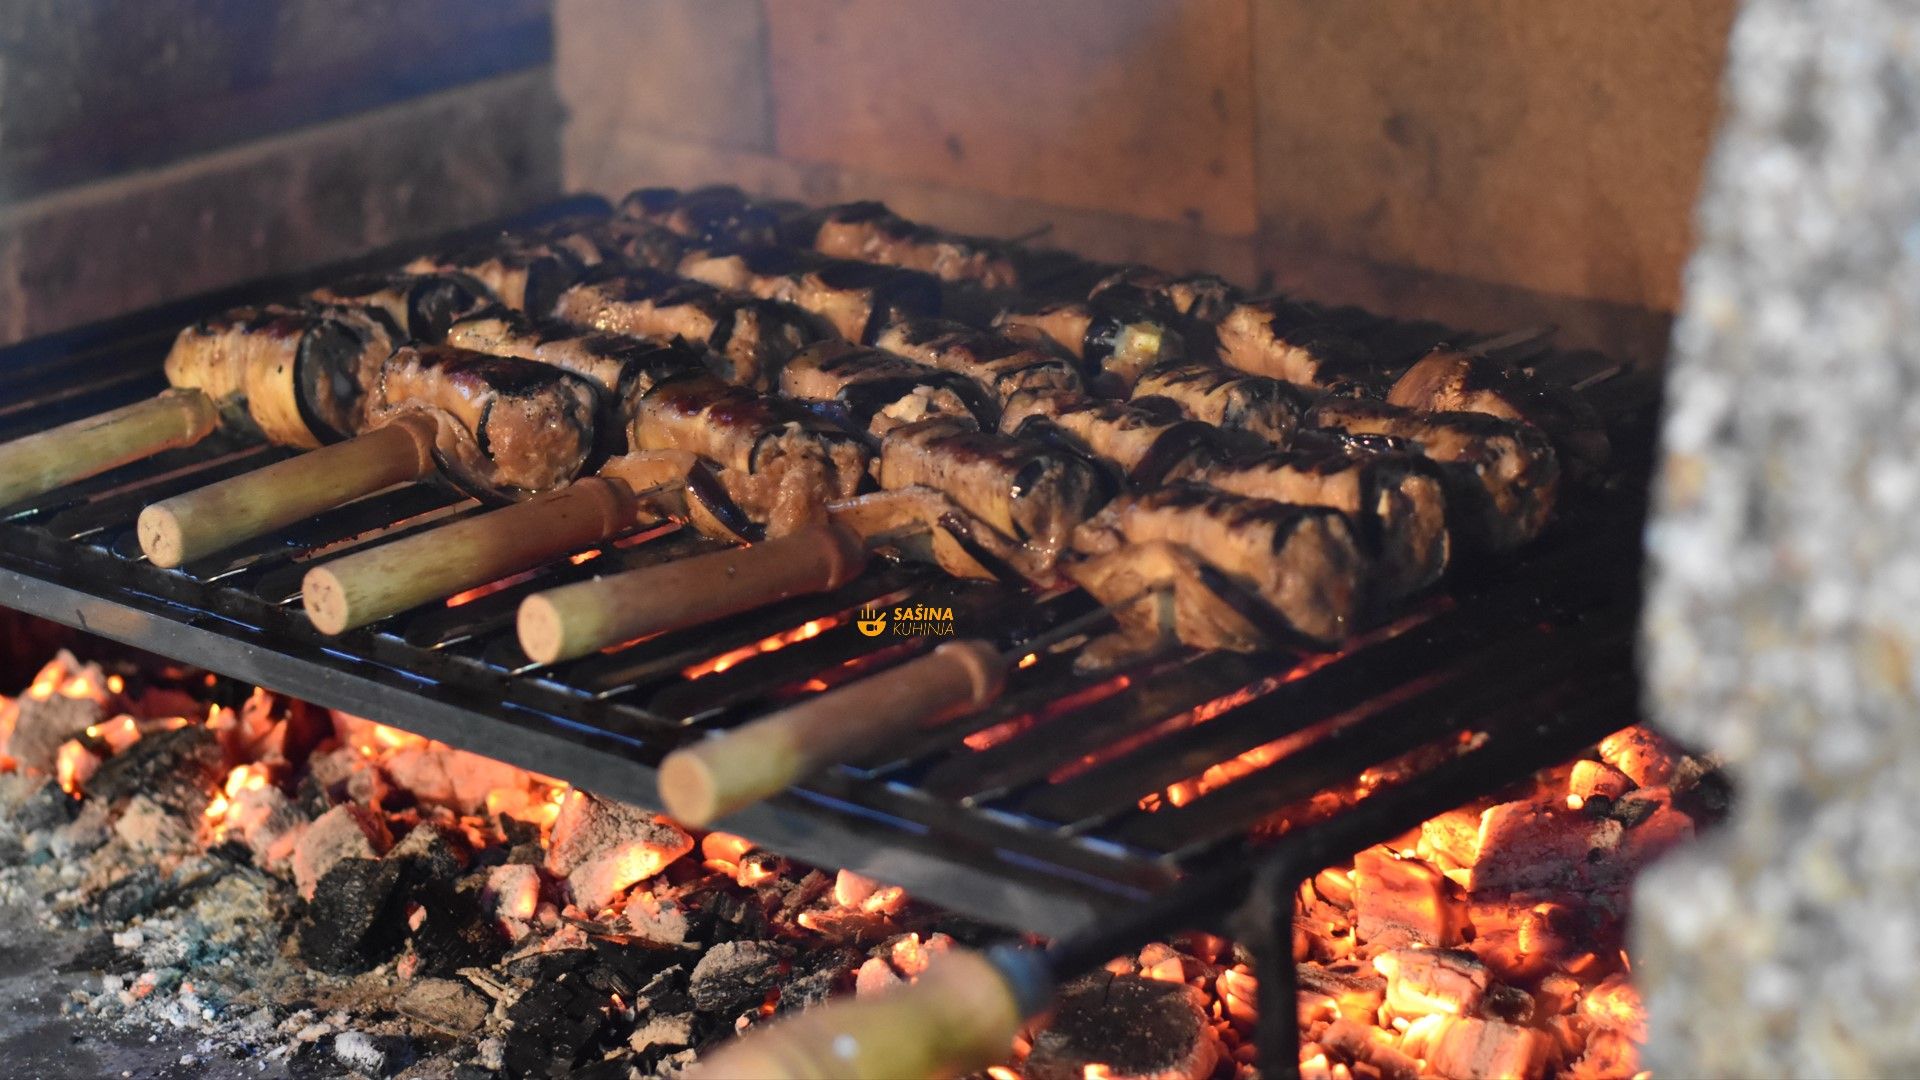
(872, 623)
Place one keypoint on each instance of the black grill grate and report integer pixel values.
(1030, 815)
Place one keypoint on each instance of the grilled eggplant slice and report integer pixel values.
(1031, 494)
(505, 424)
(1298, 570)
(1266, 410)
(1285, 340)
(1502, 477)
(856, 299)
(422, 306)
(1146, 446)
(720, 213)
(300, 376)
(1001, 364)
(863, 389)
(526, 273)
(1201, 297)
(749, 338)
(1448, 380)
(1115, 341)
(624, 368)
(869, 232)
(1395, 501)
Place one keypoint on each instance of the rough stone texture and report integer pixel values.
(1784, 618)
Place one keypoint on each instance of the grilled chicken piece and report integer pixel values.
(1291, 571)
(526, 273)
(1285, 340)
(1395, 502)
(782, 465)
(504, 423)
(869, 232)
(301, 376)
(420, 306)
(717, 214)
(596, 241)
(1502, 476)
(624, 368)
(1200, 297)
(1190, 608)
(1115, 342)
(1145, 446)
(749, 338)
(863, 389)
(857, 299)
(1447, 380)
(1268, 410)
(1032, 494)
(1000, 363)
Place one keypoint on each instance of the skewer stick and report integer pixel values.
(757, 760)
(574, 620)
(233, 511)
(367, 586)
(46, 460)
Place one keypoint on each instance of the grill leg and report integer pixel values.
(1265, 923)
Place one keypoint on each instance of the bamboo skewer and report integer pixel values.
(41, 462)
(218, 516)
(757, 760)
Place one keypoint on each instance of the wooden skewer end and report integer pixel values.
(325, 599)
(542, 629)
(689, 789)
(161, 536)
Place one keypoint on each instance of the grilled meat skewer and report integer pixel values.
(1267, 410)
(1003, 365)
(1285, 340)
(750, 337)
(719, 213)
(420, 306)
(869, 232)
(1450, 380)
(1204, 298)
(868, 390)
(1144, 446)
(856, 299)
(1115, 341)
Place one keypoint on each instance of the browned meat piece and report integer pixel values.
(749, 338)
(869, 232)
(421, 306)
(1118, 341)
(1298, 570)
(1502, 476)
(1189, 604)
(595, 241)
(924, 526)
(623, 368)
(1000, 363)
(857, 299)
(1030, 493)
(1395, 502)
(524, 273)
(1267, 409)
(1201, 297)
(1447, 380)
(782, 465)
(1284, 340)
(863, 389)
(301, 376)
(717, 214)
(1145, 447)
(504, 423)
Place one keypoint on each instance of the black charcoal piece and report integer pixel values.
(551, 1027)
(737, 974)
(179, 769)
(349, 926)
(1129, 1025)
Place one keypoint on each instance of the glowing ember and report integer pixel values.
(773, 643)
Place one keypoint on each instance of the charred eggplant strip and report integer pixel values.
(624, 368)
(504, 423)
(1001, 364)
(869, 232)
(1395, 501)
(1285, 340)
(1203, 298)
(599, 241)
(420, 306)
(857, 299)
(1448, 380)
(1147, 447)
(524, 273)
(1502, 476)
(864, 389)
(749, 338)
(1266, 409)
(300, 376)
(1115, 341)
(1298, 568)
(720, 213)
(1028, 492)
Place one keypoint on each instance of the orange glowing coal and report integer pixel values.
(771, 643)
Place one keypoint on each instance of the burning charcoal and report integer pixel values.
(1608, 1054)
(443, 776)
(447, 1004)
(42, 724)
(806, 891)
(660, 920)
(1653, 825)
(1590, 778)
(512, 892)
(1421, 981)
(40, 804)
(1365, 1043)
(1453, 837)
(603, 848)
(1399, 901)
(876, 976)
(818, 974)
(348, 927)
(737, 974)
(134, 893)
(147, 826)
(1465, 1048)
(345, 832)
(850, 890)
(451, 930)
(1544, 848)
(1125, 1026)
(1614, 1005)
(551, 1026)
(178, 769)
(432, 852)
(1357, 991)
(1641, 753)
(669, 1032)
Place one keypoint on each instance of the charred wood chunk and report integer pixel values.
(1465, 1047)
(348, 831)
(604, 847)
(738, 975)
(1422, 981)
(1125, 1026)
(552, 1025)
(176, 769)
(1399, 901)
(42, 724)
(348, 926)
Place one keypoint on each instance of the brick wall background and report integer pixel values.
(150, 149)
(1491, 148)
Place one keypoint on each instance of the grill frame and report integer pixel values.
(955, 829)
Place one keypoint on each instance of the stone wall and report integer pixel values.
(1503, 143)
(150, 149)
(1783, 622)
